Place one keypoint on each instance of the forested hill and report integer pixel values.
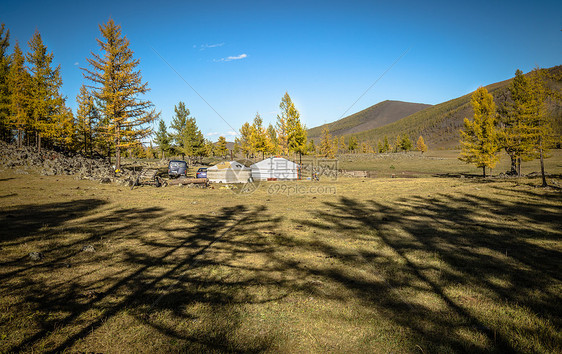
(440, 124)
(381, 114)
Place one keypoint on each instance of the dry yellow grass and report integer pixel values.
(401, 265)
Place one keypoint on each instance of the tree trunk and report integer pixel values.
(39, 143)
(117, 157)
(519, 167)
(484, 171)
(513, 158)
(117, 148)
(544, 184)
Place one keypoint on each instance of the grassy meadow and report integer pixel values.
(435, 263)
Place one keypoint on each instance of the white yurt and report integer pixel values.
(229, 172)
(275, 168)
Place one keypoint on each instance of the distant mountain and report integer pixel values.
(440, 124)
(381, 114)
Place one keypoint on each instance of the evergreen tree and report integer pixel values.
(479, 138)
(4, 86)
(353, 145)
(46, 103)
(179, 124)
(386, 145)
(193, 140)
(19, 83)
(405, 143)
(380, 147)
(420, 145)
(221, 149)
(209, 148)
(119, 88)
(162, 139)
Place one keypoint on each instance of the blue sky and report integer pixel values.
(241, 56)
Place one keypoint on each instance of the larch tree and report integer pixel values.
(4, 87)
(397, 143)
(342, 146)
(272, 136)
(245, 141)
(19, 83)
(311, 147)
(258, 137)
(420, 145)
(479, 138)
(221, 149)
(326, 148)
(540, 120)
(118, 87)
(288, 112)
(515, 134)
(46, 103)
(296, 131)
(87, 120)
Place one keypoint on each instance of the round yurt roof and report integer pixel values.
(233, 165)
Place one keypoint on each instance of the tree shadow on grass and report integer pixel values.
(147, 263)
(481, 260)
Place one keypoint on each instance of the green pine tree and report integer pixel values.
(162, 139)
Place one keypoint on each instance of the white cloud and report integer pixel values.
(206, 46)
(77, 63)
(229, 133)
(238, 57)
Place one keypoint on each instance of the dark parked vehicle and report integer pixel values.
(201, 173)
(177, 168)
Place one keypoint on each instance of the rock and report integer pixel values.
(105, 180)
(36, 256)
(88, 248)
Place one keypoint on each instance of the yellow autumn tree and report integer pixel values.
(118, 86)
(479, 138)
(420, 145)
